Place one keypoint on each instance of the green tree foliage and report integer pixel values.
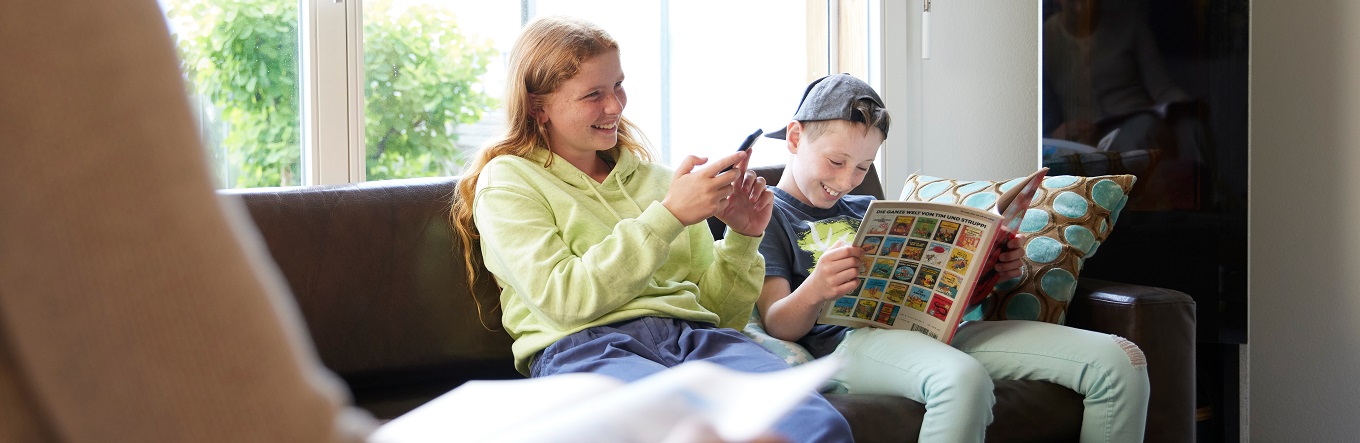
(421, 83)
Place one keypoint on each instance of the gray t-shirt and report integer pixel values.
(797, 236)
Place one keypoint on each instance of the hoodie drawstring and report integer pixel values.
(600, 198)
(626, 195)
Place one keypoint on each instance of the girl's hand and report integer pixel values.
(698, 193)
(750, 204)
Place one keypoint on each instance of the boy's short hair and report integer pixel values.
(839, 97)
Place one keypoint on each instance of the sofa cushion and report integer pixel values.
(380, 282)
(1068, 218)
(1025, 411)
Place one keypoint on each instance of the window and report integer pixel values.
(280, 107)
(240, 60)
(429, 83)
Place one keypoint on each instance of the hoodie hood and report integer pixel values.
(620, 176)
(625, 165)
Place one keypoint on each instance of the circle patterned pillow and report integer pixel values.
(1069, 217)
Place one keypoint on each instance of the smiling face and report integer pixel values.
(829, 165)
(582, 115)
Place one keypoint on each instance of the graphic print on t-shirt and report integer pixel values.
(823, 234)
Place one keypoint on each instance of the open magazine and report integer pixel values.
(584, 407)
(924, 262)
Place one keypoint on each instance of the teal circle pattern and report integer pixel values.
(973, 187)
(1043, 250)
(1006, 186)
(933, 189)
(1059, 181)
(944, 198)
(1080, 238)
(1069, 204)
(1094, 247)
(1023, 306)
(1059, 284)
(1007, 285)
(908, 190)
(1034, 220)
(981, 201)
(975, 314)
(981, 310)
(1114, 215)
(1107, 194)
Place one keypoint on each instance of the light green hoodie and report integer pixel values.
(570, 253)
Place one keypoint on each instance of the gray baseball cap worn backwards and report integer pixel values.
(833, 98)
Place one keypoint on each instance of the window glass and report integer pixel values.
(698, 81)
(433, 74)
(240, 61)
(704, 74)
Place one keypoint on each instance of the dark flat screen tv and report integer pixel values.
(1158, 89)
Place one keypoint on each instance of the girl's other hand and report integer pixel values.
(700, 189)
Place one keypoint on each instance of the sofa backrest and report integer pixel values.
(380, 281)
(870, 186)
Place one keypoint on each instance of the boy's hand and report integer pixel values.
(698, 193)
(837, 272)
(1008, 264)
(750, 204)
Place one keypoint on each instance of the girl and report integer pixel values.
(603, 262)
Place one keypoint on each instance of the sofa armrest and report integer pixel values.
(1162, 323)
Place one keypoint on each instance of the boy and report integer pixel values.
(832, 140)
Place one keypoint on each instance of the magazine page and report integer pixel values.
(1013, 203)
(921, 260)
(1011, 206)
(594, 408)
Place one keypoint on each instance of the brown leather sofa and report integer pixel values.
(380, 283)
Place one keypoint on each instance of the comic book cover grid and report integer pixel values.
(910, 262)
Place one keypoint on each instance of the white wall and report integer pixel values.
(1304, 321)
(971, 110)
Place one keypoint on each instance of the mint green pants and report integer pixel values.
(954, 381)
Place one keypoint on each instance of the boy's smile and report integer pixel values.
(825, 167)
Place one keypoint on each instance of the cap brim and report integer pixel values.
(780, 134)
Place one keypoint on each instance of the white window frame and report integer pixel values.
(332, 96)
(331, 46)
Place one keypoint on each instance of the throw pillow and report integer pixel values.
(793, 353)
(1069, 217)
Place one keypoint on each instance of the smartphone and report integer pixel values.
(750, 140)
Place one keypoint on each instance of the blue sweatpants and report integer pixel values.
(634, 349)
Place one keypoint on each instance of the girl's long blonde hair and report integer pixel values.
(549, 51)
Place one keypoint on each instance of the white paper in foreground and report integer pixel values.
(594, 408)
